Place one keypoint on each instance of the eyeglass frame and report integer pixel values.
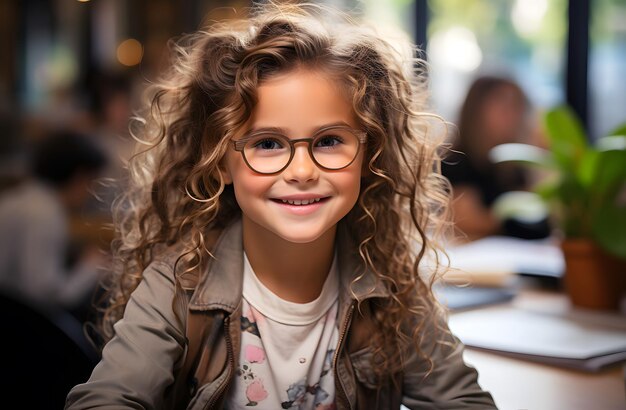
(240, 144)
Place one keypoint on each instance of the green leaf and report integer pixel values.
(609, 229)
(620, 130)
(609, 175)
(587, 168)
(608, 200)
(574, 198)
(567, 137)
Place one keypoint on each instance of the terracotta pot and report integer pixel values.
(594, 279)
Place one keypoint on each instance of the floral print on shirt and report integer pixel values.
(253, 360)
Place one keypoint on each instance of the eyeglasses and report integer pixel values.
(270, 152)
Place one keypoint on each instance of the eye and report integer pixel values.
(266, 143)
(328, 141)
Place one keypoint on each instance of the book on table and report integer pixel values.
(584, 341)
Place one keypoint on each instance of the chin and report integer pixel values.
(289, 230)
(300, 238)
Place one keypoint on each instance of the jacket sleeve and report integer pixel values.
(450, 383)
(138, 362)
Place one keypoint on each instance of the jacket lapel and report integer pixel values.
(220, 287)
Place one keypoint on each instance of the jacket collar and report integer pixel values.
(220, 287)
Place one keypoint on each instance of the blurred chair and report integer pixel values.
(45, 355)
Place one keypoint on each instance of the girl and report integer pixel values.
(270, 249)
(495, 111)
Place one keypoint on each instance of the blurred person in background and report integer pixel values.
(111, 107)
(495, 111)
(11, 158)
(36, 262)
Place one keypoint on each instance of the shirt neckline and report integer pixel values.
(282, 311)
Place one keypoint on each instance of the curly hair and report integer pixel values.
(178, 193)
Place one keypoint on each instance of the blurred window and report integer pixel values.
(607, 66)
(522, 39)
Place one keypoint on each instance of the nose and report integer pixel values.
(302, 168)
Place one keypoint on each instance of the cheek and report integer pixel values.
(248, 186)
(350, 185)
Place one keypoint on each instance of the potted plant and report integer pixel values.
(586, 192)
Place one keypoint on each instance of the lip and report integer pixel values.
(299, 197)
(300, 209)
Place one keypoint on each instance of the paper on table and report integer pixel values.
(541, 337)
(494, 260)
(458, 298)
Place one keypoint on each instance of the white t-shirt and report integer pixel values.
(287, 348)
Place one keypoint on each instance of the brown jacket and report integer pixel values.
(156, 362)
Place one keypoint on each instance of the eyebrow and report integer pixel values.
(282, 131)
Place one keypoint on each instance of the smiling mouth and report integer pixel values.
(300, 202)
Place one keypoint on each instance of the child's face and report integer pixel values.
(300, 103)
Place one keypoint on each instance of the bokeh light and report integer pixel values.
(129, 52)
(457, 48)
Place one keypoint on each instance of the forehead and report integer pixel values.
(301, 101)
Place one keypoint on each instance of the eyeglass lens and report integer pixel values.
(332, 149)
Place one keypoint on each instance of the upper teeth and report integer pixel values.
(300, 201)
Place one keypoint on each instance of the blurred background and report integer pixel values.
(78, 67)
(82, 64)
